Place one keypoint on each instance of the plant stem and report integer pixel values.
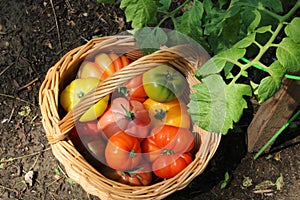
(172, 13)
(276, 135)
(291, 12)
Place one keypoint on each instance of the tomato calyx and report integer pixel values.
(167, 152)
(132, 153)
(160, 114)
(123, 91)
(169, 76)
(80, 94)
(128, 114)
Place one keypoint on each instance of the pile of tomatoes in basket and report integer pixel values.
(138, 133)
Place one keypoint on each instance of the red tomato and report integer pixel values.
(167, 139)
(168, 166)
(123, 151)
(139, 176)
(133, 90)
(128, 116)
(165, 147)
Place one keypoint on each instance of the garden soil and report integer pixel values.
(34, 35)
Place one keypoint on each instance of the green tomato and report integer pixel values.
(164, 83)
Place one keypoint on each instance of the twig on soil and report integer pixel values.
(28, 84)
(263, 191)
(6, 68)
(56, 24)
(25, 156)
(9, 66)
(17, 98)
(9, 189)
(37, 158)
(11, 114)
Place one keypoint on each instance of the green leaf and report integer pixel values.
(255, 22)
(271, 84)
(246, 42)
(264, 29)
(292, 30)
(288, 55)
(190, 22)
(150, 39)
(164, 5)
(219, 61)
(140, 12)
(215, 106)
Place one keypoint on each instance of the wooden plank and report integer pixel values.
(273, 114)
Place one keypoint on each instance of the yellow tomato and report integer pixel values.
(77, 89)
(173, 113)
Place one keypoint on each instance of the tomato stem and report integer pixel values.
(169, 76)
(132, 154)
(160, 114)
(123, 91)
(128, 115)
(168, 152)
(80, 94)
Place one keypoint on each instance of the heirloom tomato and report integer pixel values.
(88, 141)
(102, 66)
(172, 113)
(133, 89)
(89, 69)
(123, 151)
(168, 166)
(164, 83)
(167, 140)
(77, 89)
(138, 176)
(124, 115)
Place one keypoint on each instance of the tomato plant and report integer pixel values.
(133, 89)
(124, 115)
(138, 176)
(172, 113)
(167, 140)
(77, 89)
(123, 151)
(164, 83)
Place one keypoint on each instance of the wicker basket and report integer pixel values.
(185, 58)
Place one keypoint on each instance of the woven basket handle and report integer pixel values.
(184, 57)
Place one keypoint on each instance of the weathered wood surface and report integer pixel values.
(273, 114)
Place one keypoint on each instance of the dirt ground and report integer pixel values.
(34, 34)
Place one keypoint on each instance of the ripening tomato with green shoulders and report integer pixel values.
(75, 91)
(164, 83)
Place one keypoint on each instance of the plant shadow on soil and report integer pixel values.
(30, 45)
